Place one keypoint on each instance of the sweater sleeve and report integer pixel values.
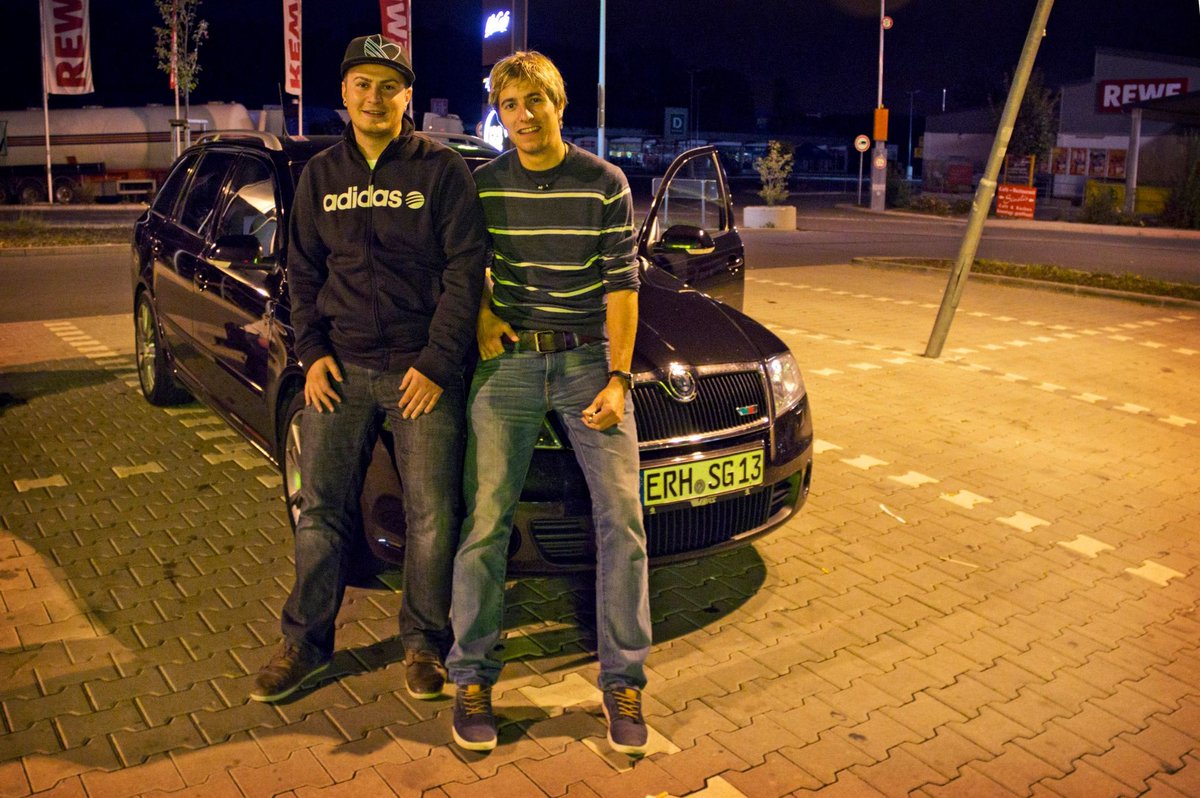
(459, 226)
(306, 274)
(618, 256)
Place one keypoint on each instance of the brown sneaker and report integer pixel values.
(424, 674)
(286, 673)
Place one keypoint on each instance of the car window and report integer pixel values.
(694, 197)
(201, 196)
(164, 200)
(252, 208)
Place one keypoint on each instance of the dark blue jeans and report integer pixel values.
(333, 456)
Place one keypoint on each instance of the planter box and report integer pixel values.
(779, 217)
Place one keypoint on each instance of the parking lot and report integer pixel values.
(993, 588)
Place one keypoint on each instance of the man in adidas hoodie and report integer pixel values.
(385, 270)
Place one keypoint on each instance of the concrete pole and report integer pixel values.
(1131, 160)
(601, 149)
(879, 159)
(987, 184)
(46, 104)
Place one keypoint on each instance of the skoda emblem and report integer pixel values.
(682, 384)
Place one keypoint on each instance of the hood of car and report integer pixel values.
(677, 324)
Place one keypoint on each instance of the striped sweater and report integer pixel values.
(558, 249)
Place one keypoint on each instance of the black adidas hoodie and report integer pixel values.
(385, 268)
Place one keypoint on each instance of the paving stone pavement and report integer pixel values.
(992, 591)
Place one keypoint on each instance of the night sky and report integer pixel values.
(750, 61)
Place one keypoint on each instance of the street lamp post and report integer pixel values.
(879, 158)
(908, 163)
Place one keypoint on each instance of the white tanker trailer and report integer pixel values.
(105, 153)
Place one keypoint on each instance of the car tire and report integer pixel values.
(154, 372)
(289, 456)
(362, 566)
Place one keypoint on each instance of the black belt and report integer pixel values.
(547, 341)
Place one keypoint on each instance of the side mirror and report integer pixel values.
(687, 239)
(241, 249)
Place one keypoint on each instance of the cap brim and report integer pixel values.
(407, 74)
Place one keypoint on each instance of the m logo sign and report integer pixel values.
(1113, 95)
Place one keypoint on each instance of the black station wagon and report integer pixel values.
(722, 415)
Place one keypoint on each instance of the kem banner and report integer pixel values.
(396, 22)
(66, 47)
(291, 47)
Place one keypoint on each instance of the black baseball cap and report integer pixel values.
(377, 50)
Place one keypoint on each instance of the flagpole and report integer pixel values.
(46, 102)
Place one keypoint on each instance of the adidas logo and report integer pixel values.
(354, 197)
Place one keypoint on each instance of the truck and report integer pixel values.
(101, 154)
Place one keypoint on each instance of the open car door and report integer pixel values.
(689, 230)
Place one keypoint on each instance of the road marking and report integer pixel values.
(1158, 574)
(1023, 521)
(124, 472)
(965, 499)
(820, 446)
(1088, 547)
(914, 479)
(25, 485)
(1178, 421)
(865, 462)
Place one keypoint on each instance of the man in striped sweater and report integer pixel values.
(555, 333)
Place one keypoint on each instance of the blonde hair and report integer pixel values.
(532, 67)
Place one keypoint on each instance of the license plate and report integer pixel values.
(699, 479)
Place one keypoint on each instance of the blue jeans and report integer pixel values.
(510, 395)
(335, 448)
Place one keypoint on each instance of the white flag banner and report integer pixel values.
(396, 22)
(66, 47)
(291, 47)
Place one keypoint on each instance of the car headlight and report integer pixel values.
(787, 386)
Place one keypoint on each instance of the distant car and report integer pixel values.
(723, 419)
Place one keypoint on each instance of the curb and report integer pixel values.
(1041, 285)
(1081, 228)
(67, 249)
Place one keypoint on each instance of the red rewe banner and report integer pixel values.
(66, 47)
(396, 22)
(291, 47)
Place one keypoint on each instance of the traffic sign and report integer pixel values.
(880, 162)
(862, 143)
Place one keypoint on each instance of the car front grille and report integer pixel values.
(569, 541)
(725, 404)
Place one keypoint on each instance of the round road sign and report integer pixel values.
(887, 23)
(879, 163)
(862, 143)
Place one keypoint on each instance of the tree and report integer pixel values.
(1036, 128)
(178, 40)
(775, 169)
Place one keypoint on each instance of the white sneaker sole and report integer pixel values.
(484, 745)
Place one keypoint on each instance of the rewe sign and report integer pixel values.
(1113, 95)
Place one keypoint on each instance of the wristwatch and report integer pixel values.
(624, 375)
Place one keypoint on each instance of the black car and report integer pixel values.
(723, 420)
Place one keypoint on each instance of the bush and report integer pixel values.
(775, 168)
(899, 191)
(1102, 206)
(927, 203)
(1183, 203)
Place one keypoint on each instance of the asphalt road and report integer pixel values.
(95, 281)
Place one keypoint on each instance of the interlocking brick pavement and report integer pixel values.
(978, 599)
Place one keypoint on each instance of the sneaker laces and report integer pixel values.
(629, 704)
(476, 700)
